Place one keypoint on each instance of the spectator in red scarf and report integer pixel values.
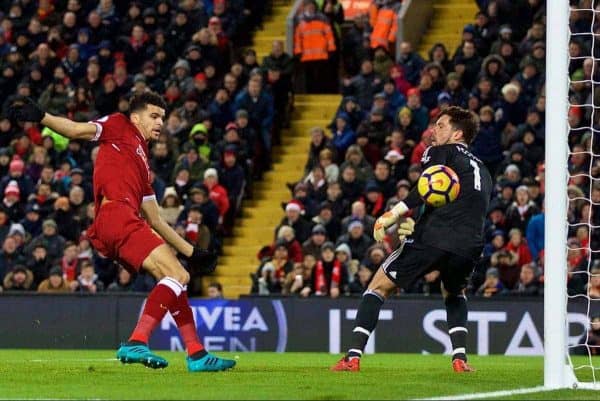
(329, 277)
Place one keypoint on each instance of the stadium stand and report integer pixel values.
(475, 55)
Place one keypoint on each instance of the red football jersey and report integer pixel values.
(121, 171)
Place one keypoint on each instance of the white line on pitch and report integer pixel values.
(63, 360)
(491, 394)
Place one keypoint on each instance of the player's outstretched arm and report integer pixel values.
(27, 110)
(201, 259)
(391, 217)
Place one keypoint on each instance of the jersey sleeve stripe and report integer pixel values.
(98, 131)
(149, 197)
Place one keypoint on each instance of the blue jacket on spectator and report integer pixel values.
(487, 144)
(535, 235)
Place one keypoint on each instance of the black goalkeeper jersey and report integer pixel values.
(457, 227)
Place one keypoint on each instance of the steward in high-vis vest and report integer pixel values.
(313, 43)
(384, 24)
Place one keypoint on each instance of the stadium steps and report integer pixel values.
(262, 214)
(274, 28)
(447, 23)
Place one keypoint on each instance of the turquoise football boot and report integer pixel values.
(140, 354)
(209, 363)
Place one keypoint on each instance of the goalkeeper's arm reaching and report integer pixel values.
(393, 216)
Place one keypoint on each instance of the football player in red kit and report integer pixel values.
(122, 195)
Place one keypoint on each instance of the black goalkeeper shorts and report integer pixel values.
(413, 260)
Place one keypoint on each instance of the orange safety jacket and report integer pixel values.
(313, 39)
(385, 25)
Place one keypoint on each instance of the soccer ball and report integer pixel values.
(438, 185)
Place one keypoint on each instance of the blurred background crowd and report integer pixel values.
(84, 59)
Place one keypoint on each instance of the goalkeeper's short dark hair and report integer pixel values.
(139, 101)
(462, 120)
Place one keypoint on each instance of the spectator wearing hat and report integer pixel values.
(406, 123)
(153, 81)
(193, 55)
(170, 206)
(327, 218)
(180, 76)
(382, 62)
(419, 113)
(516, 156)
(199, 195)
(356, 239)
(190, 112)
(373, 199)
(492, 285)
(231, 140)
(350, 106)
(313, 244)
(10, 202)
(16, 175)
(233, 178)
(217, 193)
(39, 264)
(403, 188)
(69, 225)
(294, 217)
(271, 274)
(492, 68)
(32, 223)
(55, 243)
(192, 162)
(329, 277)
(55, 283)
(19, 278)
(198, 138)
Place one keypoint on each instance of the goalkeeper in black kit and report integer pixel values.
(448, 238)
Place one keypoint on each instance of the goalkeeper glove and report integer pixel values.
(26, 110)
(388, 219)
(203, 260)
(406, 226)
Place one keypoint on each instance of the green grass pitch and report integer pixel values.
(52, 374)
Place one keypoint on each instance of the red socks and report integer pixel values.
(183, 316)
(161, 299)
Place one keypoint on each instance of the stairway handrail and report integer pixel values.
(413, 20)
(289, 27)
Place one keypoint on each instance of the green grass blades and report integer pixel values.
(51, 374)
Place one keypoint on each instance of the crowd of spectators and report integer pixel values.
(84, 59)
(368, 158)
